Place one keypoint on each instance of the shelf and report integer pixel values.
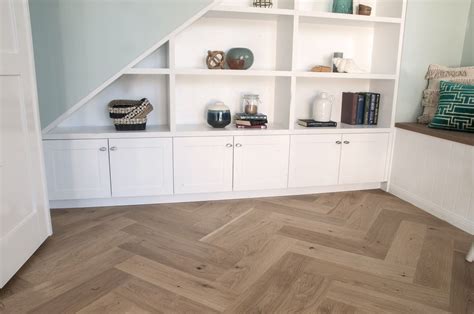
(225, 11)
(105, 132)
(230, 130)
(345, 19)
(360, 76)
(341, 128)
(148, 71)
(232, 72)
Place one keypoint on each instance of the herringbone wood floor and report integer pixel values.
(356, 252)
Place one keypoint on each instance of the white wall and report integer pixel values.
(468, 54)
(435, 31)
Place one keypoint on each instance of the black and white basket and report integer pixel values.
(129, 115)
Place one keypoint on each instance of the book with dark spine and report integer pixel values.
(310, 123)
(373, 105)
(349, 108)
(251, 122)
(368, 97)
(377, 106)
(360, 108)
(244, 116)
(261, 126)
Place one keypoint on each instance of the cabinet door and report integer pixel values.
(203, 164)
(141, 167)
(314, 160)
(261, 162)
(364, 158)
(77, 169)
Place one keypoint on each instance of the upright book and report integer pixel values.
(349, 108)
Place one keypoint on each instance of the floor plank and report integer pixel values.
(350, 252)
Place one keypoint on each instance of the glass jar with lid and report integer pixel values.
(250, 103)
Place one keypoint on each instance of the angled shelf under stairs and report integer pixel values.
(287, 41)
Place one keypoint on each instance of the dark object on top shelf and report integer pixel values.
(129, 115)
(342, 6)
(239, 58)
(263, 3)
(364, 10)
(215, 59)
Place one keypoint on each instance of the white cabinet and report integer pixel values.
(77, 169)
(261, 162)
(141, 167)
(314, 160)
(203, 164)
(364, 158)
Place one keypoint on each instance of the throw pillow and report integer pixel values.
(435, 74)
(456, 107)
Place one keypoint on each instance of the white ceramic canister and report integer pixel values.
(322, 107)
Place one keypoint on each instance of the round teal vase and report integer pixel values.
(239, 58)
(342, 6)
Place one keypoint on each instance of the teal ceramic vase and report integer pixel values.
(239, 58)
(342, 6)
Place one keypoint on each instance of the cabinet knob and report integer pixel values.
(338, 142)
(113, 148)
(229, 145)
(103, 149)
(347, 142)
(238, 145)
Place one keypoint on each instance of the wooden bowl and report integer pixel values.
(364, 10)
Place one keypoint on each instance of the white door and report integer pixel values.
(261, 162)
(203, 164)
(364, 158)
(141, 167)
(77, 169)
(314, 160)
(24, 213)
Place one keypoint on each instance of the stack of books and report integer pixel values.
(251, 121)
(310, 123)
(360, 108)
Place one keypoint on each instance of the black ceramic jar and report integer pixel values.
(218, 115)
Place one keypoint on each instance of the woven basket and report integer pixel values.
(130, 124)
(129, 115)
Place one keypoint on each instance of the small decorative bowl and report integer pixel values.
(365, 10)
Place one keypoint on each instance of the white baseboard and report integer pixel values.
(83, 203)
(435, 210)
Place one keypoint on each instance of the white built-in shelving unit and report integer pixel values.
(287, 40)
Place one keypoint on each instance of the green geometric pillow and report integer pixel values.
(456, 107)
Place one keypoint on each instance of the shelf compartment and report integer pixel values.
(154, 87)
(194, 96)
(158, 59)
(374, 49)
(341, 128)
(380, 8)
(307, 89)
(264, 37)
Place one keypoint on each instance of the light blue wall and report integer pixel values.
(435, 31)
(468, 54)
(79, 44)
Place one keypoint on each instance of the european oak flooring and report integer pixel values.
(353, 252)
